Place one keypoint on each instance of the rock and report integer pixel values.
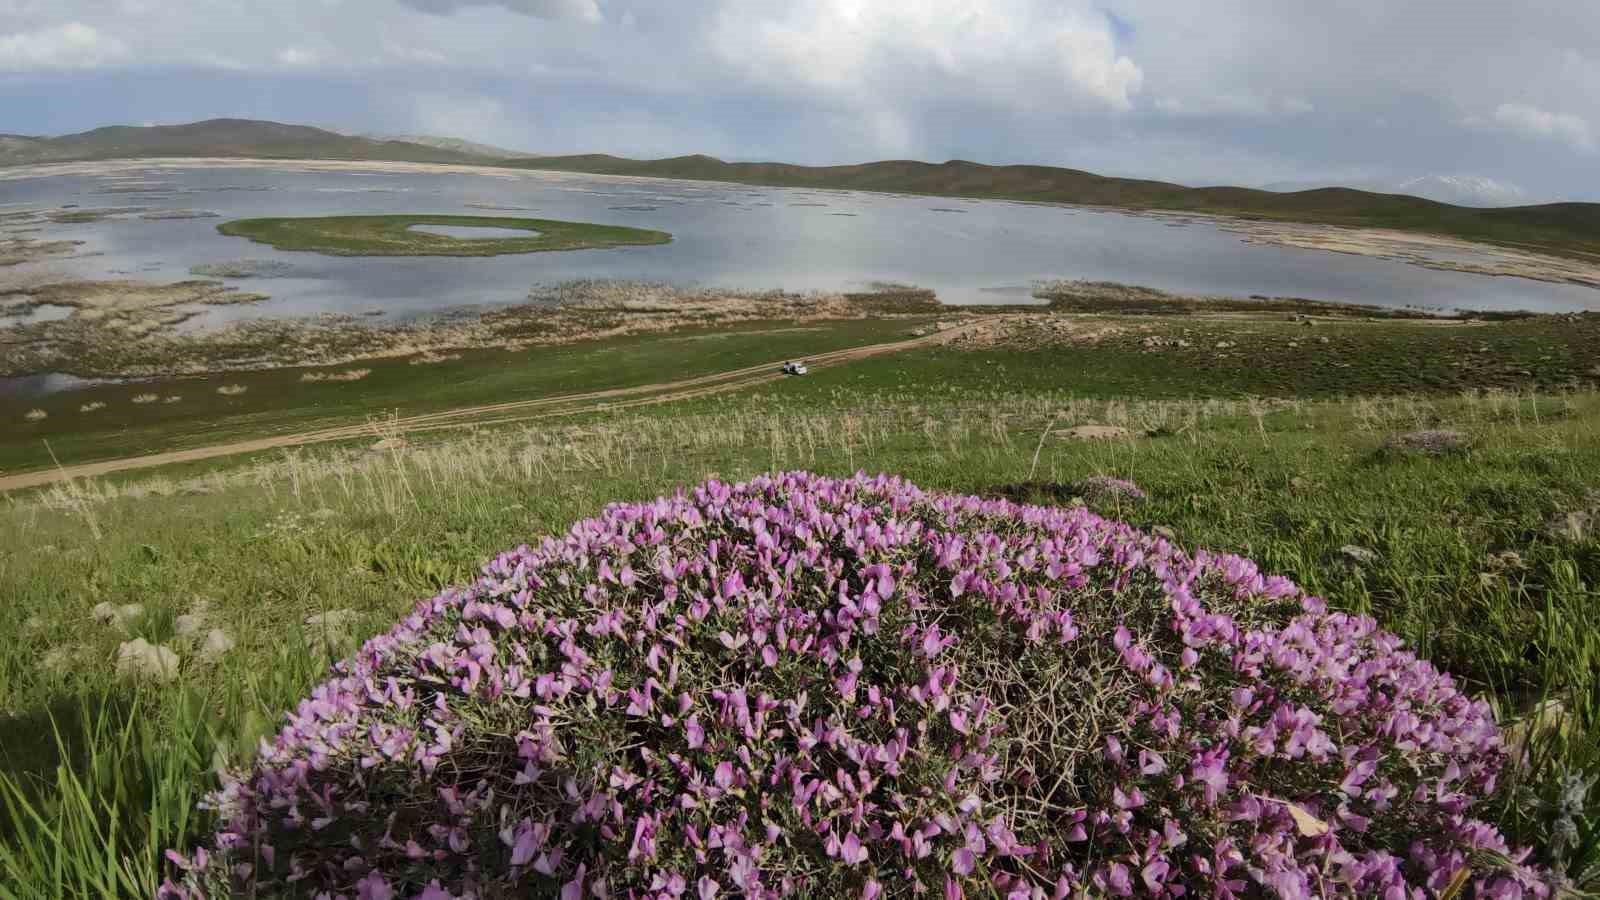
(216, 645)
(1573, 527)
(1095, 433)
(1324, 340)
(188, 624)
(1595, 371)
(1428, 442)
(140, 659)
(120, 616)
(1105, 488)
(1547, 718)
(1355, 557)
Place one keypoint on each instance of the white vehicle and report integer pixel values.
(795, 368)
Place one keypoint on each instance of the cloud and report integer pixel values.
(934, 49)
(73, 45)
(464, 115)
(569, 10)
(1185, 90)
(1235, 105)
(297, 56)
(1535, 122)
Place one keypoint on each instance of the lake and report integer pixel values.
(968, 251)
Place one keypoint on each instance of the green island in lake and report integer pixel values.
(397, 235)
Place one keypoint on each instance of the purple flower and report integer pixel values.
(610, 701)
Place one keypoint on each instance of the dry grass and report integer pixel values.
(979, 429)
(347, 375)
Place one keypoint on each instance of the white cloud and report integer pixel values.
(298, 56)
(463, 115)
(942, 48)
(573, 10)
(1238, 105)
(73, 45)
(1535, 122)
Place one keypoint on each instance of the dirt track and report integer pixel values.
(488, 414)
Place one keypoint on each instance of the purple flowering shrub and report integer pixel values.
(801, 686)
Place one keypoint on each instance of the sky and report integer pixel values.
(1197, 91)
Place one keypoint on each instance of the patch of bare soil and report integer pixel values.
(15, 251)
(1425, 250)
(109, 320)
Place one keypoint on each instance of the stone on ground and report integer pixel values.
(139, 658)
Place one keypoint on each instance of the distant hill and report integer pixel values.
(218, 137)
(1460, 190)
(471, 148)
(1571, 229)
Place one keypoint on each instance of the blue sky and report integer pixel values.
(1200, 91)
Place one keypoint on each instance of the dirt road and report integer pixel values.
(487, 414)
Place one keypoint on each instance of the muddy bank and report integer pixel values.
(14, 251)
(127, 329)
(1428, 251)
(108, 321)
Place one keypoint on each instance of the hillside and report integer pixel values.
(1565, 228)
(218, 137)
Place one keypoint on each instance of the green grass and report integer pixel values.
(1270, 356)
(278, 401)
(269, 544)
(391, 235)
(98, 775)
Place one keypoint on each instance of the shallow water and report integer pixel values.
(989, 251)
(475, 232)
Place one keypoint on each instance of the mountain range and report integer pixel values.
(1459, 190)
(220, 137)
(1565, 228)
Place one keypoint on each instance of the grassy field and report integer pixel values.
(392, 235)
(135, 418)
(1484, 558)
(1151, 356)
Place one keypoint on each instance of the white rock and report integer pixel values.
(188, 625)
(1355, 556)
(120, 616)
(139, 658)
(217, 645)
